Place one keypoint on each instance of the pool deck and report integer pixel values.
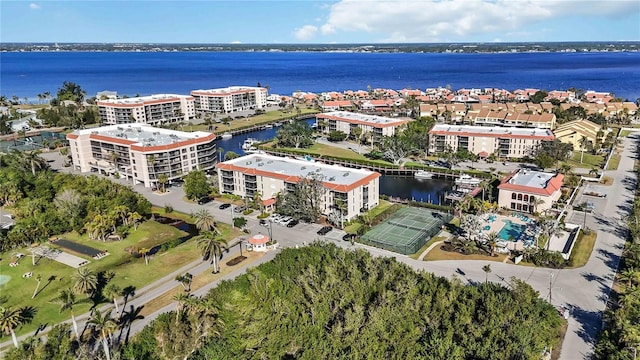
(498, 224)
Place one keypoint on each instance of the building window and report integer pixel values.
(513, 205)
(519, 197)
(513, 196)
(532, 198)
(526, 197)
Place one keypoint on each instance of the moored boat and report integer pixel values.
(226, 135)
(467, 180)
(423, 175)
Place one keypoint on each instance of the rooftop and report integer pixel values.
(361, 118)
(141, 100)
(294, 169)
(143, 134)
(535, 179)
(497, 131)
(227, 91)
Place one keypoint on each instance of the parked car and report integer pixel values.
(285, 220)
(263, 222)
(348, 237)
(239, 208)
(224, 206)
(325, 230)
(292, 223)
(204, 200)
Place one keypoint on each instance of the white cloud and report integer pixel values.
(306, 32)
(236, 42)
(34, 6)
(447, 20)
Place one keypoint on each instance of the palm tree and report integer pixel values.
(113, 291)
(220, 152)
(134, 218)
(180, 299)
(487, 270)
(583, 143)
(163, 179)
(103, 324)
(67, 300)
(257, 199)
(85, 280)
(204, 221)
(128, 317)
(211, 246)
(39, 280)
(629, 275)
(492, 239)
(185, 280)
(9, 321)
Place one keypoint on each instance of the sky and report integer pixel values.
(304, 21)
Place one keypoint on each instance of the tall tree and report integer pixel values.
(103, 324)
(196, 185)
(67, 300)
(204, 221)
(113, 291)
(9, 321)
(85, 280)
(211, 246)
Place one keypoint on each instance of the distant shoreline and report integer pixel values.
(471, 48)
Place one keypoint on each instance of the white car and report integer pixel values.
(285, 220)
(275, 218)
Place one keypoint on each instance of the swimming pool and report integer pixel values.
(511, 230)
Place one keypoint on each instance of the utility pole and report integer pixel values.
(550, 285)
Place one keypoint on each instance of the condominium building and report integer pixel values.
(270, 175)
(230, 99)
(573, 132)
(529, 191)
(483, 140)
(346, 121)
(153, 110)
(141, 153)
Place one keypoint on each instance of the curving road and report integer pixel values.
(585, 290)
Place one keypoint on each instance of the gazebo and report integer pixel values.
(259, 242)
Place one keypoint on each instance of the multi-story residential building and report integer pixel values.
(153, 110)
(529, 191)
(344, 121)
(141, 153)
(483, 140)
(270, 175)
(573, 132)
(230, 99)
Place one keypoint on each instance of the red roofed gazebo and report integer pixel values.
(258, 242)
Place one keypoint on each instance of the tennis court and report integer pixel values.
(407, 230)
(34, 142)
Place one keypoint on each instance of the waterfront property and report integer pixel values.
(154, 109)
(529, 191)
(230, 99)
(407, 230)
(269, 175)
(141, 153)
(506, 142)
(346, 121)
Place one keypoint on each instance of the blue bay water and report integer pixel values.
(130, 73)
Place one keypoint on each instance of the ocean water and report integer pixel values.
(30, 73)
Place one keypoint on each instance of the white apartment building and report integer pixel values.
(141, 153)
(269, 175)
(153, 110)
(529, 191)
(345, 121)
(505, 142)
(230, 99)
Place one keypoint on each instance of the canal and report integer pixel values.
(408, 188)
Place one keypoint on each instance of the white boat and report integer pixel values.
(423, 174)
(249, 144)
(268, 126)
(467, 180)
(227, 135)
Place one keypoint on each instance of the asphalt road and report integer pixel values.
(585, 290)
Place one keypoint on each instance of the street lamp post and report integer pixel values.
(550, 285)
(269, 230)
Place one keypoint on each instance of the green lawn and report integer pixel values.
(624, 133)
(614, 162)
(433, 240)
(129, 271)
(266, 118)
(355, 225)
(320, 150)
(588, 161)
(582, 249)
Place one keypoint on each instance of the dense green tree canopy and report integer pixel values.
(297, 135)
(322, 302)
(196, 185)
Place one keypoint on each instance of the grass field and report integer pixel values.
(319, 150)
(588, 161)
(438, 254)
(614, 162)
(355, 225)
(129, 271)
(624, 133)
(266, 118)
(433, 240)
(582, 249)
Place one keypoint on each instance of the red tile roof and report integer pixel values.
(553, 185)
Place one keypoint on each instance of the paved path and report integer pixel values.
(585, 289)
